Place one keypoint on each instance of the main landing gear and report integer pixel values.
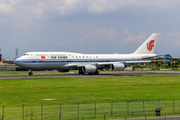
(30, 72)
(95, 73)
(82, 73)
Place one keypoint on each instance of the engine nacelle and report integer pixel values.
(89, 69)
(61, 70)
(117, 66)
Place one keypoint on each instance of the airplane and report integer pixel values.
(87, 63)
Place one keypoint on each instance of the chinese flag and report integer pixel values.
(42, 57)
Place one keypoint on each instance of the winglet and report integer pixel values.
(149, 45)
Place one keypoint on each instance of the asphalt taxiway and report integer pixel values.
(86, 75)
(155, 118)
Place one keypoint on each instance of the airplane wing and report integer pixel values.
(76, 65)
(105, 65)
(125, 62)
(111, 65)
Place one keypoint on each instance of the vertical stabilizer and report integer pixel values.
(149, 45)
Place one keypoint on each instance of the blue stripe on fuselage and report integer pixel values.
(71, 60)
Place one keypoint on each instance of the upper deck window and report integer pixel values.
(41, 54)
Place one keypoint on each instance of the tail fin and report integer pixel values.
(149, 45)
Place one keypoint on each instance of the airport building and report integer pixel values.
(8, 60)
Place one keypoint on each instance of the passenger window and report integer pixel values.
(53, 57)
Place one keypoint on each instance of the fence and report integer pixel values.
(90, 111)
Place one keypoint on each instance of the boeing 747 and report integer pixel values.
(87, 63)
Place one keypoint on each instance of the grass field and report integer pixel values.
(70, 91)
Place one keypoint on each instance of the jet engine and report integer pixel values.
(89, 69)
(117, 66)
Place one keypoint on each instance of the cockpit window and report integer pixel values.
(26, 54)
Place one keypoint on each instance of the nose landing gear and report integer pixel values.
(30, 72)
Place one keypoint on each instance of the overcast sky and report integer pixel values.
(88, 26)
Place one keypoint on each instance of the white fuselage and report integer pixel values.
(66, 60)
(87, 63)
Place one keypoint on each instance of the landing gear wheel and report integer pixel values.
(81, 72)
(96, 73)
(91, 73)
(30, 73)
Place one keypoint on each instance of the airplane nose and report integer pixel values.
(16, 62)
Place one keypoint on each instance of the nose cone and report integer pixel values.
(16, 61)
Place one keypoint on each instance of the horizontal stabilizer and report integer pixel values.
(154, 57)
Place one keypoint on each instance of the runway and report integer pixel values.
(155, 118)
(86, 75)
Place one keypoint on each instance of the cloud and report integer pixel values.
(91, 22)
(131, 37)
(7, 6)
(102, 34)
(24, 13)
(20, 13)
(100, 6)
(65, 6)
(37, 6)
(173, 34)
(173, 38)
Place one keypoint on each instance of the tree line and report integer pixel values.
(159, 63)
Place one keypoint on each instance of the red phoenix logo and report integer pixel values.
(150, 45)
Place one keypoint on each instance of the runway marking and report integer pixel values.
(48, 99)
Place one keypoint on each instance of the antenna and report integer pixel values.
(16, 53)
